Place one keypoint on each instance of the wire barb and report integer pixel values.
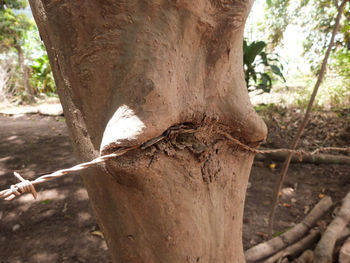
(24, 186)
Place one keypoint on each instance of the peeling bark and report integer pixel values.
(127, 71)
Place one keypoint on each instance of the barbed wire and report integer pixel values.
(26, 186)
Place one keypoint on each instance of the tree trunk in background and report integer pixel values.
(126, 71)
(29, 97)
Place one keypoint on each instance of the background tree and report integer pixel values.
(317, 19)
(130, 71)
(13, 31)
(277, 17)
(305, 27)
(20, 41)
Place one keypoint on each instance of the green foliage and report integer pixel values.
(315, 17)
(46, 201)
(19, 36)
(12, 4)
(260, 66)
(41, 78)
(13, 29)
(319, 23)
(264, 108)
(341, 63)
(278, 10)
(313, 21)
(42, 75)
(334, 93)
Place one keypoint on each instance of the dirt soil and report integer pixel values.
(59, 225)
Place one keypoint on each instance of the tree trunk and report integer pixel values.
(25, 76)
(127, 71)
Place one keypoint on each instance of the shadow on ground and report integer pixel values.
(58, 226)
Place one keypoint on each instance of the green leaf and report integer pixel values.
(277, 71)
(46, 201)
(266, 82)
(276, 234)
(245, 45)
(253, 50)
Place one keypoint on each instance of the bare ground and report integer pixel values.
(59, 225)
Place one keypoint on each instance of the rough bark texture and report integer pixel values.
(126, 71)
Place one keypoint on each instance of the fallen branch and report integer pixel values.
(324, 249)
(296, 248)
(274, 245)
(320, 158)
(344, 254)
(344, 234)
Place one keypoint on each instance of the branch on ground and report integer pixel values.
(296, 248)
(316, 159)
(324, 249)
(274, 245)
(306, 257)
(344, 254)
